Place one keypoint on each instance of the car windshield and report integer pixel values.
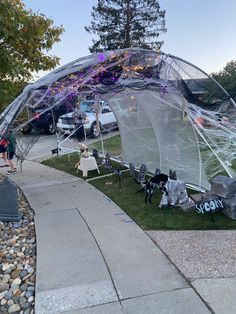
(88, 106)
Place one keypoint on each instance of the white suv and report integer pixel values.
(107, 120)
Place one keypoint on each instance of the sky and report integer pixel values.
(199, 31)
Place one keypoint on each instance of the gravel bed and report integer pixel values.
(200, 254)
(18, 262)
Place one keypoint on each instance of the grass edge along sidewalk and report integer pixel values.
(147, 216)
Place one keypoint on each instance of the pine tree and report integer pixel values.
(227, 78)
(126, 23)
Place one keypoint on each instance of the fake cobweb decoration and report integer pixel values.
(171, 114)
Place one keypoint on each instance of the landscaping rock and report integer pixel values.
(23, 273)
(3, 302)
(6, 266)
(26, 305)
(8, 295)
(208, 196)
(2, 294)
(17, 225)
(14, 308)
(224, 187)
(230, 207)
(17, 269)
(6, 278)
(29, 294)
(16, 281)
(15, 274)
(4, 287)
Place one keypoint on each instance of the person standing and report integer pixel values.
(11, 150)
(3, 150)
(79, 116)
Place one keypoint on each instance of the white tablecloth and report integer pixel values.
(87, 164)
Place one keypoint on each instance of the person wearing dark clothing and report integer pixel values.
(79, 116)
(11, 149)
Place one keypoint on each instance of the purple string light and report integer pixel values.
(101, 57)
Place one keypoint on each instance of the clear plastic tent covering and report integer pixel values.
(171, 114)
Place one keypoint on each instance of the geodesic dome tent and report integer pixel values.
(171, 114)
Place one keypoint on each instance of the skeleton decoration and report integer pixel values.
(84, 151)
(171, 114)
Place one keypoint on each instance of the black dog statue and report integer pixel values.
(157, 181)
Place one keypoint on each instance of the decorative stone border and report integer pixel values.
(18, 262)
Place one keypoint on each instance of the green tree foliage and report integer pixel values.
(227, 78)
(9, 91)
(25, 39)
(126, 23)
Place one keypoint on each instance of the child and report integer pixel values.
(11, 149)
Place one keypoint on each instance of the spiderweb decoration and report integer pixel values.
(217, 138)
(171, 114)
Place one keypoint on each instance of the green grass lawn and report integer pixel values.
(111, 145)
(147, 216)
(66, 164)
(150, 216)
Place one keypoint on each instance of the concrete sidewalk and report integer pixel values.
(92, 258)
